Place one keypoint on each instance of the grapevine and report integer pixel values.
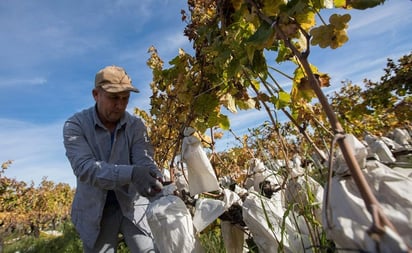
(332, 35)
(231, 42)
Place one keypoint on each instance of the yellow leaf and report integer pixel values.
(224, 122)
(246, 104)
(229, 102)
(271, 7)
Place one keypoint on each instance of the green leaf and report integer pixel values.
(283, 100)
(234, 67)
(224, 122)
(262, 37)
(246, 104)
(250, 51)
(255, 84)
(205, 104)
(284, 53)
(339, 3)
(259, 64)
(365, 4)
(271, 7)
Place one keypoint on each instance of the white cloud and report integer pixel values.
(172, 42)
(383, 18)
(36, 150)
(23, 82)
(244, 119)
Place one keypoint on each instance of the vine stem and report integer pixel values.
(282, 141)
(379, 220)
(295, 123)
(371, 203)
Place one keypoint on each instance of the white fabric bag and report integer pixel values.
(261, 173)
(402, 137)
(360, 152)
(233, 237)
(379, 147)
(297, 192)
(264, 219)
(171, 225)
(346, 219)
(206, 212)
(201, 177)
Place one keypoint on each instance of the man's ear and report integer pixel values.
(95, 93)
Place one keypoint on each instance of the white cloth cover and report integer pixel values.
(230, 198)
(358, 149)
(297, 190)
(378, 147)
(171, 225)
(180, 181)
(233, 237)
(261, 173)
(201, 177)
(264, 219)
(402, 137)
(392, 144)
(207, 211)
(346, 219)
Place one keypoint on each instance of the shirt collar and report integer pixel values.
(98, 122)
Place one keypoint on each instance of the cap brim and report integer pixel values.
(116, 88)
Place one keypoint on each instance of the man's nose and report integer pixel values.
(121, 104)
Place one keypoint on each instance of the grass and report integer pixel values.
(69, 242)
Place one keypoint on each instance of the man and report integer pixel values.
(112, 158)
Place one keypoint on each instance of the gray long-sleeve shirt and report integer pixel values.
(101, 163)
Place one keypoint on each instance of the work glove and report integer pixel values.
(147, 181)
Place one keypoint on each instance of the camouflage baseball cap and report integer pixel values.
(114, 79)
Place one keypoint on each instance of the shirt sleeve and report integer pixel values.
(142, 149)
(85, 166)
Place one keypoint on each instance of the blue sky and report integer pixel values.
(51, 50)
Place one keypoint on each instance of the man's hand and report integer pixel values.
(147, 181)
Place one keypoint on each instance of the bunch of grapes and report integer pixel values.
(332, 35)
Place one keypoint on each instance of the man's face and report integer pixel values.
(110, 106)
